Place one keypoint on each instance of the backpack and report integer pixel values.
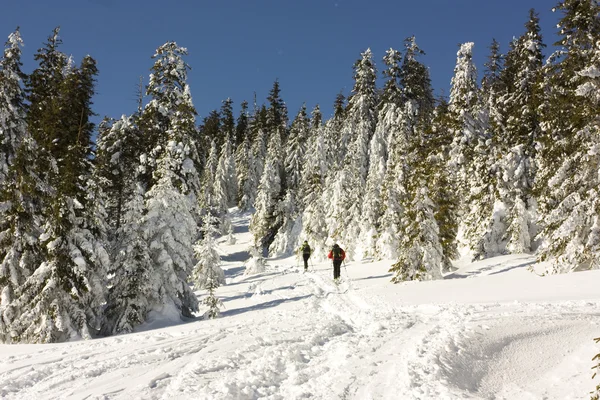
(305, 249)
(337, 253)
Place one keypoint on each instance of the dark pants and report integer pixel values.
(337, 264)
(306, 257)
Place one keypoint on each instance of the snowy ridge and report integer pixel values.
(491, 330)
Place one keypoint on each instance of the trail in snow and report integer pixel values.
(503, 333)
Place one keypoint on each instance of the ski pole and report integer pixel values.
(346, 269)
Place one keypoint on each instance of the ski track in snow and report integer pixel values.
(301, 337)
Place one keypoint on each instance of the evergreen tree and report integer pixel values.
(242, 124)
(12, 103)
(134, 291)
(210, 129)
(567, 192)
(358, 128)
(209, 173)
(207, 273)
(415, 81)
(263, 225)
(443, 194)
(286, 213)
(21, 191)
(521, 128)
(117, 158)
(169, 225)
(387, 123)
(312, 187)
(225, 183)
(296, 149)
(63, 297)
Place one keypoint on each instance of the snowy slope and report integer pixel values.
(491, 330)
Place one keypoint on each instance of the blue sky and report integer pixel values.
(239, 47)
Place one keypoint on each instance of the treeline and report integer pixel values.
(93, 238)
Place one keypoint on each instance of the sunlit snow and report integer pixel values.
(490, 330)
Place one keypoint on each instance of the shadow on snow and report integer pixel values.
(262, 306)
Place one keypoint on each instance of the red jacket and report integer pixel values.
(330, 255)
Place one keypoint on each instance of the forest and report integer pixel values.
(99, 225)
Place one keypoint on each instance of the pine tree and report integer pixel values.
(462, 106)
(168, 122)
(12, 103)
(21, 191)
(244, 160)
(225, 187)
(117, 158)
(169, 225)
(207, 198)
(420, 253)
(133, 291)
(312, 187)
(567, 192)
(358, 129)
(296, 149)
(521, 128)
(287, 211)
(442, 191)
(263, 225)
(387, 125)
(207, 273)
(63, 297)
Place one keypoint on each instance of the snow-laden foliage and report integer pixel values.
(133, 290)
(12, 107)
(378, 155)
(357, 131)
(170, 229)
(256, 264)
(207, 273)
(263, 225)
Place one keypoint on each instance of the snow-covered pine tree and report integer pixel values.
(207, 198)
(262, 224)
(462, 106)
(224, 191)
(21, 191)
(63, 297)
(415, 81)
(117, 157)
(387, 125)
(207, 273)
(471, 157)
(442, 191)
(410, 120)
(521, 127)
(287, 211)
(568, 192)
(420, 254)
(312, 187)
(227, 157)
(358, 128)
(12, 98)
(260, 142)
(296, 150)
(171, 201)
(133, 290)
(244, 160)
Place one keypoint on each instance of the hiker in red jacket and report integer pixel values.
(337, 254)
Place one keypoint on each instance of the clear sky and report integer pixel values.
(238, 47)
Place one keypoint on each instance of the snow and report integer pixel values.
(491, 329)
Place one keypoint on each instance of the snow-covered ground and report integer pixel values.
(491, 330)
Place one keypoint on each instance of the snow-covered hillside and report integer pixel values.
(491, 330)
